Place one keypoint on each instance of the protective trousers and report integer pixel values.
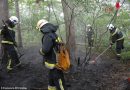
(56, 80)
(9, 57)
(119, 47)
(90, 42)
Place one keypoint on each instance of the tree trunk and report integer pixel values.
(49, 11)
(3, 14)
(70, 29)
(3, 10)
(18, 26)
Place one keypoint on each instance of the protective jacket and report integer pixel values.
(48, 45)
(8, 35)
(90, 34)
(116, 35)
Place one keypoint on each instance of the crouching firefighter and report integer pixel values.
(117, 37)
(90, 36)
(55, 76)
(9, 55)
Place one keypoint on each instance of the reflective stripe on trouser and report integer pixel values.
(51, 88)
(41, 52)
(0, 31)
(118, 54)
(61, 84)
(9, 65)
(49, 65)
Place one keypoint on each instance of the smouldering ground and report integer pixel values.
(106, 74)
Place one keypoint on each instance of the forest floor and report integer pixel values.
(105, 74)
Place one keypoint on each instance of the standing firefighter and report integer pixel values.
(9, 55)
(90, 34)
(56, 77)
(118, 38)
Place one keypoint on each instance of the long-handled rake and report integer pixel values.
(100, 54)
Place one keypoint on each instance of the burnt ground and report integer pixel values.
(105, 74)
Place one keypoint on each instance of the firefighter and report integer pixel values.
(116, 36)
(56, 76)
(90, 36)
(9, 54)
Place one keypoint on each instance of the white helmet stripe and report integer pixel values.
(41, 23)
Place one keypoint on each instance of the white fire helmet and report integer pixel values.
(14, 19)
(41, 23)
(110, 26)
(88, 25)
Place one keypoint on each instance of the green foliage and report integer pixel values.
(85, 12)
(31, 12)
(125, 55)
(31, 38)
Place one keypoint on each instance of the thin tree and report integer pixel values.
(3, 14)
(68, 11)
(3, 10)
(18, 26)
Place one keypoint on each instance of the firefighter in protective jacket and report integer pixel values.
(56, 77)
(90, 36)
(116, 37)
(9, 55)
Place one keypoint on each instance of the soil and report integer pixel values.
(105, 74)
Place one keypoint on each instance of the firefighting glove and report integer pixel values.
(111, 45)
(5, 27)
(41, 52)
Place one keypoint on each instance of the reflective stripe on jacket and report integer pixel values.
(49, 65)
(7, 42)
(7, 35)
(120, 38)
(116, 35)
(114, 32)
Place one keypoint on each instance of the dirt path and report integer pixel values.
(106, 74)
